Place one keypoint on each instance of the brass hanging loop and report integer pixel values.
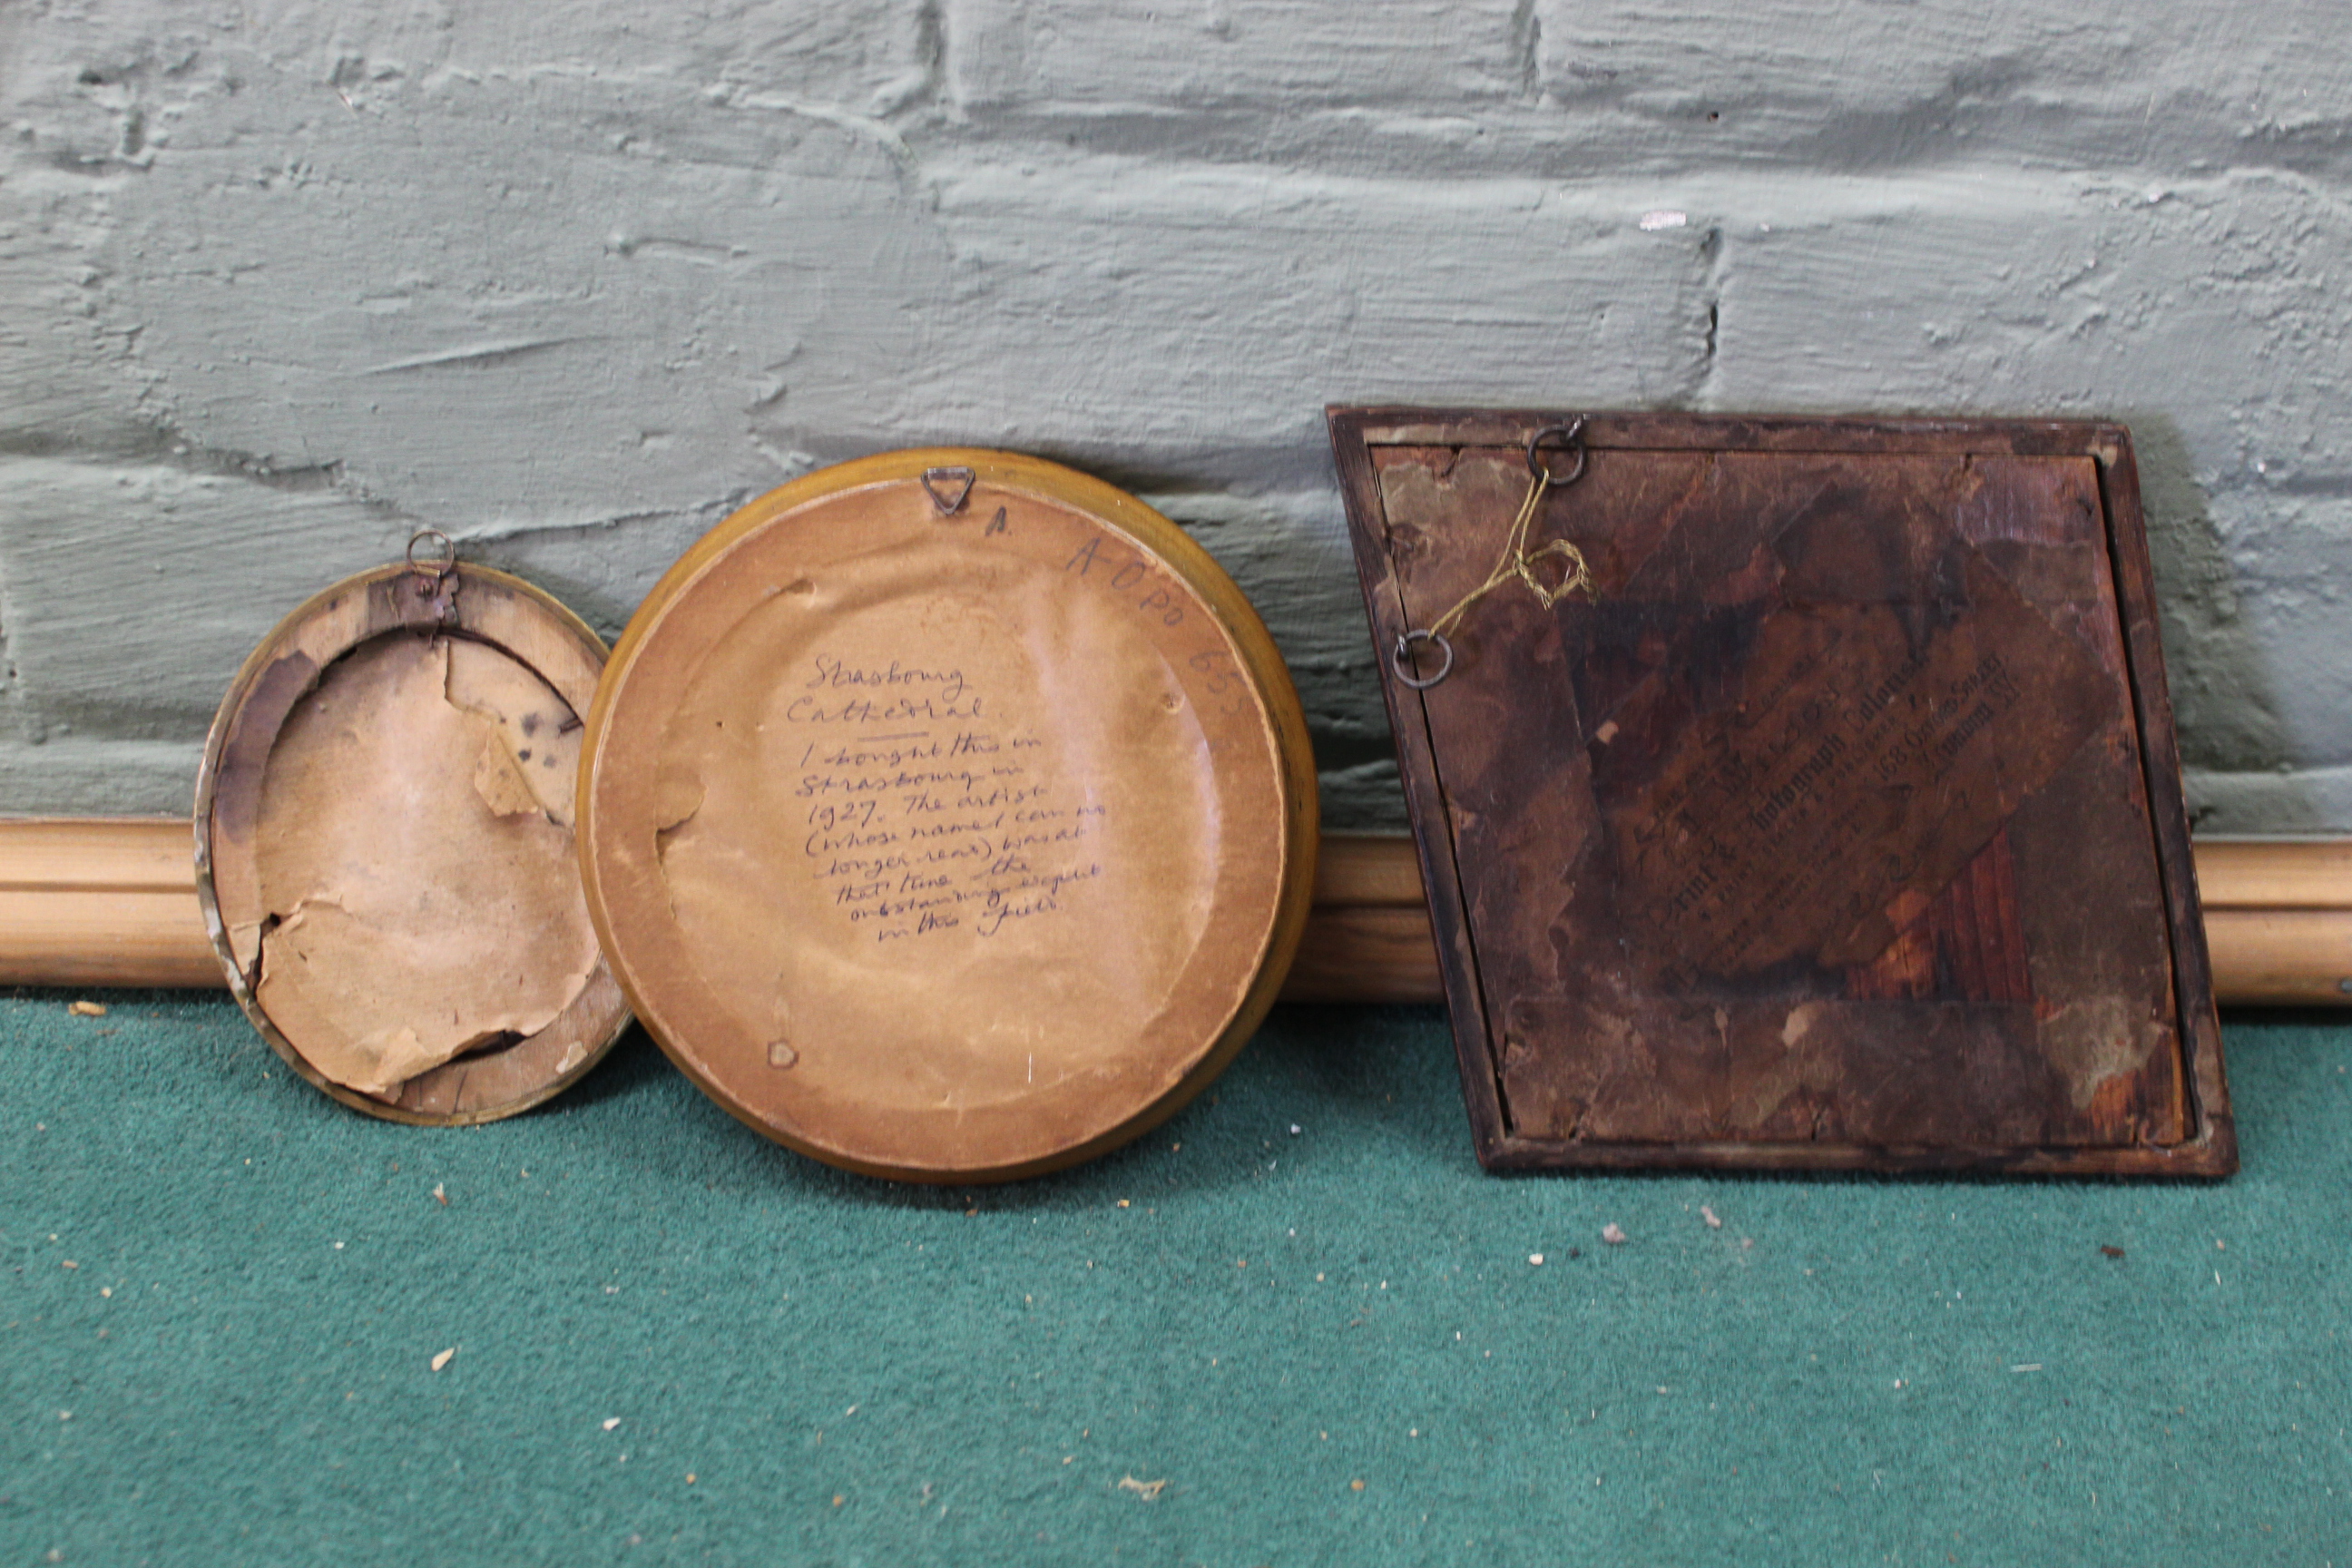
(435, 570)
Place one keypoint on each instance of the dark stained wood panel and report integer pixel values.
(1839, 827)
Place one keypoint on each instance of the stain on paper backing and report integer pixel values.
(1825, 821)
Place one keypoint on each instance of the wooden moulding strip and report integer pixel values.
(112, 902)
(101, 901)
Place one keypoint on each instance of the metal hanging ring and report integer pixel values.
(948, 487)
(433, 570)
(1571, 436)
(1409, 670)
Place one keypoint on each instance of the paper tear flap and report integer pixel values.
(414, 850)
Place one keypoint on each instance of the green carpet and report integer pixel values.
(1313, 1334)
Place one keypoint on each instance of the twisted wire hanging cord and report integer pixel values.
(1517, 562)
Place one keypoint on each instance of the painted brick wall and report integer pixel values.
(280, 282)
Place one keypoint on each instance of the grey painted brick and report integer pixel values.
(2282, 802)
(1566, 88)
(645, 298)
(134, 591)
(507, 302)
(856, 56)
(1876, 84)
(2261, 666)
(2216, 307)
(1136, 315)
(80, 775)
(1224, 61)
(66, 380)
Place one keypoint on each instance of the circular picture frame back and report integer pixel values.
(433, 599)
(987, 600)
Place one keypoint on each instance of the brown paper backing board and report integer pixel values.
(1839, 827)
(384, 853)
(948, 833)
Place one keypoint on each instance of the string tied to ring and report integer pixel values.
(1517, 565)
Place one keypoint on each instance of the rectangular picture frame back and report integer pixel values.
(1479, 876)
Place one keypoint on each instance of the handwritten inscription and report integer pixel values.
(1873, 760)
(925, 812)
(1128, 572)
(1220, 685)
